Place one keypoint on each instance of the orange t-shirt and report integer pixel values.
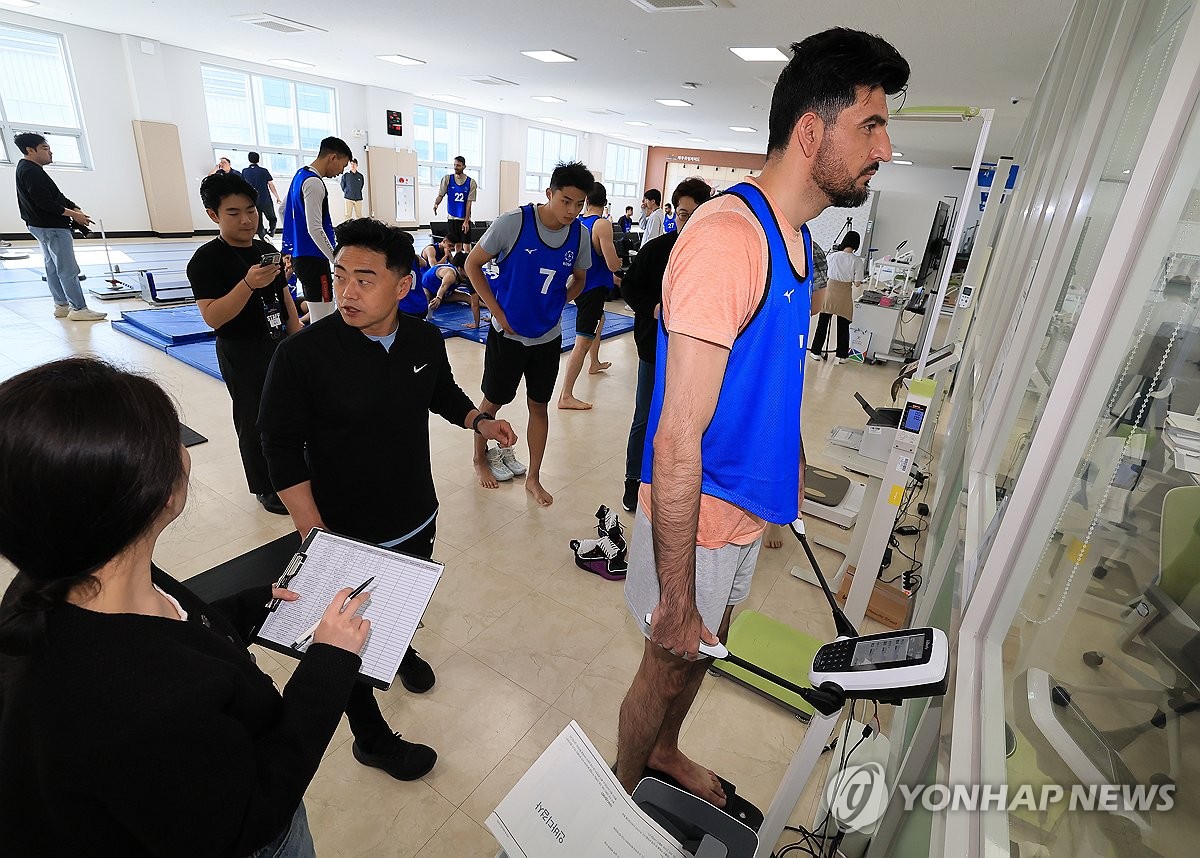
(713, 284)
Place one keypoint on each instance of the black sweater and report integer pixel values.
(641, 287)
(39, 199)
(341, 411)
(133, 735)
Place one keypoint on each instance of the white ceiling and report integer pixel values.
(962, 52)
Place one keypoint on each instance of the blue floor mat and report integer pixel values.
(178, 325)
(141, 334)
(451, 318)
(614, 324)
(202, 356)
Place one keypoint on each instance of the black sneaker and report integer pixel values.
(405, 761)
(271, 503)
(415, 673)
(608, 525)
(629, 499)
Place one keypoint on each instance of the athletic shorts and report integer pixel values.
(455, 231)
(315, 276)
(722, 576)
(590, 309)
(506, 362)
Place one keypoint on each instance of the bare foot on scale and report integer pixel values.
(599, 367)
(534, 487)
(773, 538)
(570, 403)
(692, 776)
(486, 478)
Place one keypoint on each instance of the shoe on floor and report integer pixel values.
(271, 503)
(630, 498)
(496, 463)
(839, 360)
(415, 673)
(608, 525)
(61, 310)
(85, 314)
(405, 761)
(509, 458)
(600, 557)
(816, 355)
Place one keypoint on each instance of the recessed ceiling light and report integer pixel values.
(18, 4)
(399, 60)
(550, 99)
(696, 140)
(761, 55)
(549, 56)
(442, 96)
(903, 163)
(549, 119)
(726, 149)
(637, 123)
(744, 129)
(291, 64)
(690, 84)
(1124, 172)
(896, 154)
(617, 134)
(673, 102)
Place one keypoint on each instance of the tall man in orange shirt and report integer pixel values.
(724, 433)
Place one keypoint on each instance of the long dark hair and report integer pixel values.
(89, 456)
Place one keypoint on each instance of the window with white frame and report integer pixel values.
(622, 170)
(439, 136)
(283, 120)
(37, 93)
(544, 150)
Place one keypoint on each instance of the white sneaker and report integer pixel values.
(509, 459)
(85, 314)
(499, 470)
(61, 310)
(839, 360)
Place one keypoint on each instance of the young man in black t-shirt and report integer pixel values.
(240, 289)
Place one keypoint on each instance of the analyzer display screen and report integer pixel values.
(913, 417)
(891, 650)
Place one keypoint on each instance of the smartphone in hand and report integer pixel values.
(269, 259)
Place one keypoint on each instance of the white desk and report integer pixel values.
(872, 469)
(882, 323)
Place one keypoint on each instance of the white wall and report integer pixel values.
(118, 83)
(908, 200)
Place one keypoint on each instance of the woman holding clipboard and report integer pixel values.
(133, 721)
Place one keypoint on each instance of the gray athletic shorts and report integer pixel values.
(722, 576)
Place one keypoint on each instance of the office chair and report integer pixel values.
(1163, 633)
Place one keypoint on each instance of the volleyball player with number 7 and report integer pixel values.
(543, 253)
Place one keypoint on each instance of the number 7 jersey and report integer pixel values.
(532, 286)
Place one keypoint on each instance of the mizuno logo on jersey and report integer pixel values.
(788, 295)
(531, 250)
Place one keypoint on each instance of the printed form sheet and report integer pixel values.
(400, 594)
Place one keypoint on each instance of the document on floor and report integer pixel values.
(570, 803)
(400, 586)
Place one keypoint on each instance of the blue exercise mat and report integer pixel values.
(453, 316)
(202, 356)
(141, 334)
(614, 324)
(177, 325)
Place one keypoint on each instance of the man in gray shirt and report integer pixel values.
(652, 223)
(543, 253)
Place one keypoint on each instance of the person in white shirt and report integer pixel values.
(652, 215)
(839, 298)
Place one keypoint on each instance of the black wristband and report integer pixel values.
(482, 415)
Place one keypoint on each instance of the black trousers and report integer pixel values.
(244, 365)
(843, 335)
(362, 709)
(266, 215)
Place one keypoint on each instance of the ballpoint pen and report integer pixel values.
(307, 636)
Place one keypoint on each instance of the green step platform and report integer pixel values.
(777, 648)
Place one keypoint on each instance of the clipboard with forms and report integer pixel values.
(326, 563)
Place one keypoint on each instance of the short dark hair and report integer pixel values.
(395, 244)
(851, 240)
(628, 208)
(334, 146)
(598, 195)
(252, 157)
(694, 188)
(461, 158)
(353, 160)
(215, 188)
(89, 450)
(654, 196)
(28, 140)
(823, 77)
(571, 174)
(459, 259)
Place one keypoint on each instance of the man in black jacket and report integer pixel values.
(345, 430)
(642, 290)
(49, 215)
